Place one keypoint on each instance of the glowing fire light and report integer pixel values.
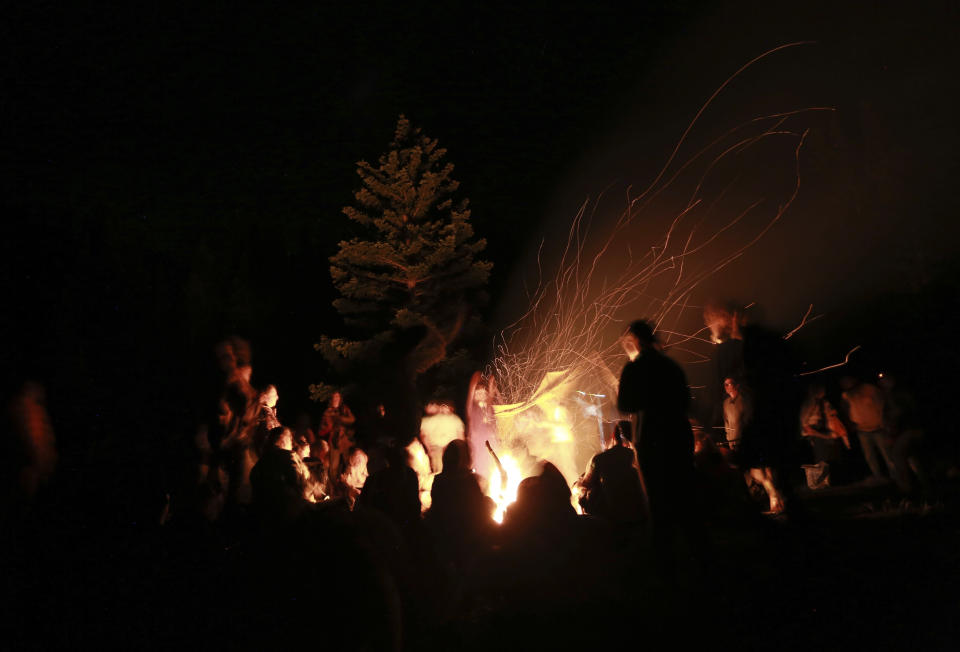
(556, 364)
(504, 494)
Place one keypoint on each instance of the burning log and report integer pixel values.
(496, 460)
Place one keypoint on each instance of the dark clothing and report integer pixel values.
(770, 437)
(395, 491)
(655, 386)
(612, 486)
(277, 485)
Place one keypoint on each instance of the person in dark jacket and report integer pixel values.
(654, 387)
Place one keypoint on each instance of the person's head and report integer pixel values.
(723, 320)
(816, 391)
(731, 386)
(554, 486)
(335, 400)
(397, 456)
(281, 437)
(456, 456)
(638, 338)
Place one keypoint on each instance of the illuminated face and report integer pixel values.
(335, 400)
(730, 386)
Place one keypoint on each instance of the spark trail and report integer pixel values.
(562, 343)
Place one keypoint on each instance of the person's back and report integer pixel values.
(276, 483)
(460, 515)
(656, 386)
(613, 486)
(394, 490)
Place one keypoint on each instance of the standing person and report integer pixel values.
(654, 387)
(737, 410)
(865, 408)
(902, 422)
(738, 417)
(820, 426)
(482, 423)
(439, 427)
(724, 321)
(337, 419)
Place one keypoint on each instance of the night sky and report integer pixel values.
(173, 176)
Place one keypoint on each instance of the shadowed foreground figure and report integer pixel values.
(655, 387)
(612, 488)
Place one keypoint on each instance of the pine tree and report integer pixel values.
(416, 263)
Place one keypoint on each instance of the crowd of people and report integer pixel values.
(401, 523)
(766, 412)
(771, 436)
(651, 483)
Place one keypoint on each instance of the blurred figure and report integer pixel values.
(356, 474)
(277, 481)
(725, 322)
(737, 410)
(232, 435)
(314, 489)
(420, 463)
(759, 362)
(318, 463)
(337, 419)
(481, 422)
(30, 448)
(826, 434)
(394, 490)
(612, 488)
(865, 409)
(302, 428)
(655, 387)
(438, 428)
(460, 516)
(738, 414)
(902, 422)
(266, 417)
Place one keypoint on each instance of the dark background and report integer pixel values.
(175, 175)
